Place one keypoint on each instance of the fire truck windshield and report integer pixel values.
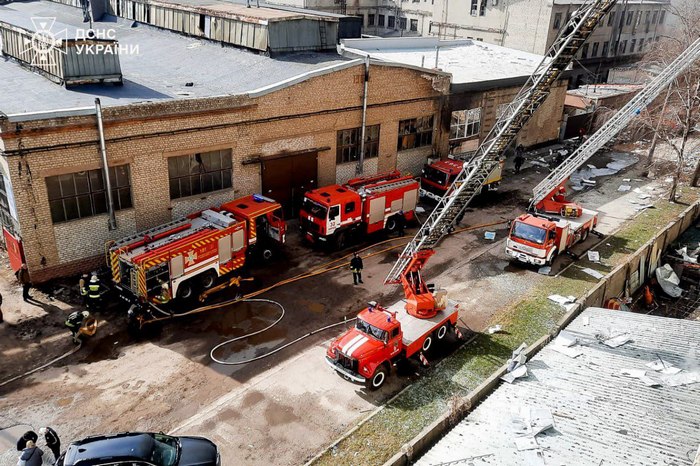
(317, 210)
(370, 330)
(528, 232)
(434, 175)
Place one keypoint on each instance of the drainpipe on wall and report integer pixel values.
(360, 163)
(112, 224)
(437, 55)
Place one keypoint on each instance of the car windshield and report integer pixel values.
(529, 233)
(370, 330)
(165, 450)
(434, 175)
(317, 210)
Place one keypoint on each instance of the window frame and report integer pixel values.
(594, 49)
(370, 19)
(402, 23)
(381, 21)
(421, 128)
(465, 123)
(391, 22)
(193, 171)
(414, 22)
(90, 199)
(606, 49)
(348, 144)
(557, 20)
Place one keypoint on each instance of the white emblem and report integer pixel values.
(191, 258)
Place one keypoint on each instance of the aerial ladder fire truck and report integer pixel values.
(177, 261)
(382, 337)
(554, 223)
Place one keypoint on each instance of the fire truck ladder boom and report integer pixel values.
(477, 170)
(615, 124)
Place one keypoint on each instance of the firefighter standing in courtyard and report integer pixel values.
(94, 292)
(74, 322)
(356, 267)
(83, 288)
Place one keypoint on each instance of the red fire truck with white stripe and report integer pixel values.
(334, 214)
(182, 258)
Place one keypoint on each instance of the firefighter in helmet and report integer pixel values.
(74, 321)
(94, 292)
(164, 296)
(83, 288)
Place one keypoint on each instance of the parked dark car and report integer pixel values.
(141, 449)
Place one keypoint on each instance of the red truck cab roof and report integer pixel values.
(379, 317)
(534, 221)
(331, 195)
(449, 166)
(251, 207)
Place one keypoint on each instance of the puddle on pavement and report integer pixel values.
(618, 161)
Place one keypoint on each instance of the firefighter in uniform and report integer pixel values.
(94, 293)
(164, 296)
(74, 322)
(83, 288)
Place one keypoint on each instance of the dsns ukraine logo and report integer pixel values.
(39, 50)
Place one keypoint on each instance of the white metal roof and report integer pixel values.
(467, 60)
(600, 415)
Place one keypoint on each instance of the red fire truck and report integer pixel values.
(555, 225)
(383, 337)
(438, 176)
(182, 258)
(334, 214)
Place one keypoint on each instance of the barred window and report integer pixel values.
(348, 147)
(83, 194)
(465, 123)
(417, 132)
(199, 173)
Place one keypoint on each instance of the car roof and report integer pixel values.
(109, 449)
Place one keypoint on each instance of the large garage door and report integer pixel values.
(286, 179)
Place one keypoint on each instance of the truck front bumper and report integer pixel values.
(345, 372)
(522, 257)
(427, 194)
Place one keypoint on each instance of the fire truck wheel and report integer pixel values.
(441, 332)
(340, 240)
(391, 224)
(427, 343)
(550, 261)
(185, 290)
(208, 280)
(267, 254)
(584, 235)
(377, 380)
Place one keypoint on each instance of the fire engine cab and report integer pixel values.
(182, 258)
(333, 214)
(439, 176)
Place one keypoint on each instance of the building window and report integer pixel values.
(615, 47)
(392, 22)
(414, 25)
(623, 49)
(557, 21)
(584, 51)
(83, 194)
(639, 18)
(348, 147)
(647, 18)
(641, 45)
(606, 46)
(465, 123)
(381, 20)
(654, 16)
(594, 52)
(475, 7)
(482, 8)
(402, 23)
(199, 173)
(622, 18)
(633, 43)
(611, 18)
(370, 20)
(662, 16)
(630, 15)
(417, 132)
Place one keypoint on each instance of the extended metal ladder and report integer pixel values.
(615, 124)
(477, 170)
(150, 232)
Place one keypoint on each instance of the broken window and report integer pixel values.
(641, 45)
(475, 7)
(594, 52)
(611, 18)
(465, 123)
(662, 16)
(482, 8)
(83, 194)
(199, 173)
(417, 132)
(392, 22)
(414, 25)
(348, 146)
(402, 23)
(630, 15)
(606, 47)
(557, 21)
(633, 43)
(623, 49)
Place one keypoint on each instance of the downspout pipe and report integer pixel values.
(112, 223)
(361, 162)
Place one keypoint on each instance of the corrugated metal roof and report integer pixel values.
(601, 416)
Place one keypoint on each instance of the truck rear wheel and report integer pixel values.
(377, 380)
(185, 290)
(391, 224)
(208, 280)
(427, 343)
(584, 235)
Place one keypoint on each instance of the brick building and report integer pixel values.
(178, 139)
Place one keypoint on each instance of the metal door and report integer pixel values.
(286, 179)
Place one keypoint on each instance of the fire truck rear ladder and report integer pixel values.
(614, 125)
(477, 170)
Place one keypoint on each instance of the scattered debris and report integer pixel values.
(545, 270)
(420, 210)
(563, 300)
(565, 339)
(591, 166)
(570, 352)
(518, 372)
(594, 256)
(644, 196)
(588, 181)
(494, 329)
(526, 443)
(649, 382)
(658, 365)
(669, 281)
(617, 341)
(634, 373)
(592, 273)
(645, 206)
(682, 378)
(624, 187)
(626, 180)
(491, 235)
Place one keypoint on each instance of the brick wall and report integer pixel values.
(303, 116)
